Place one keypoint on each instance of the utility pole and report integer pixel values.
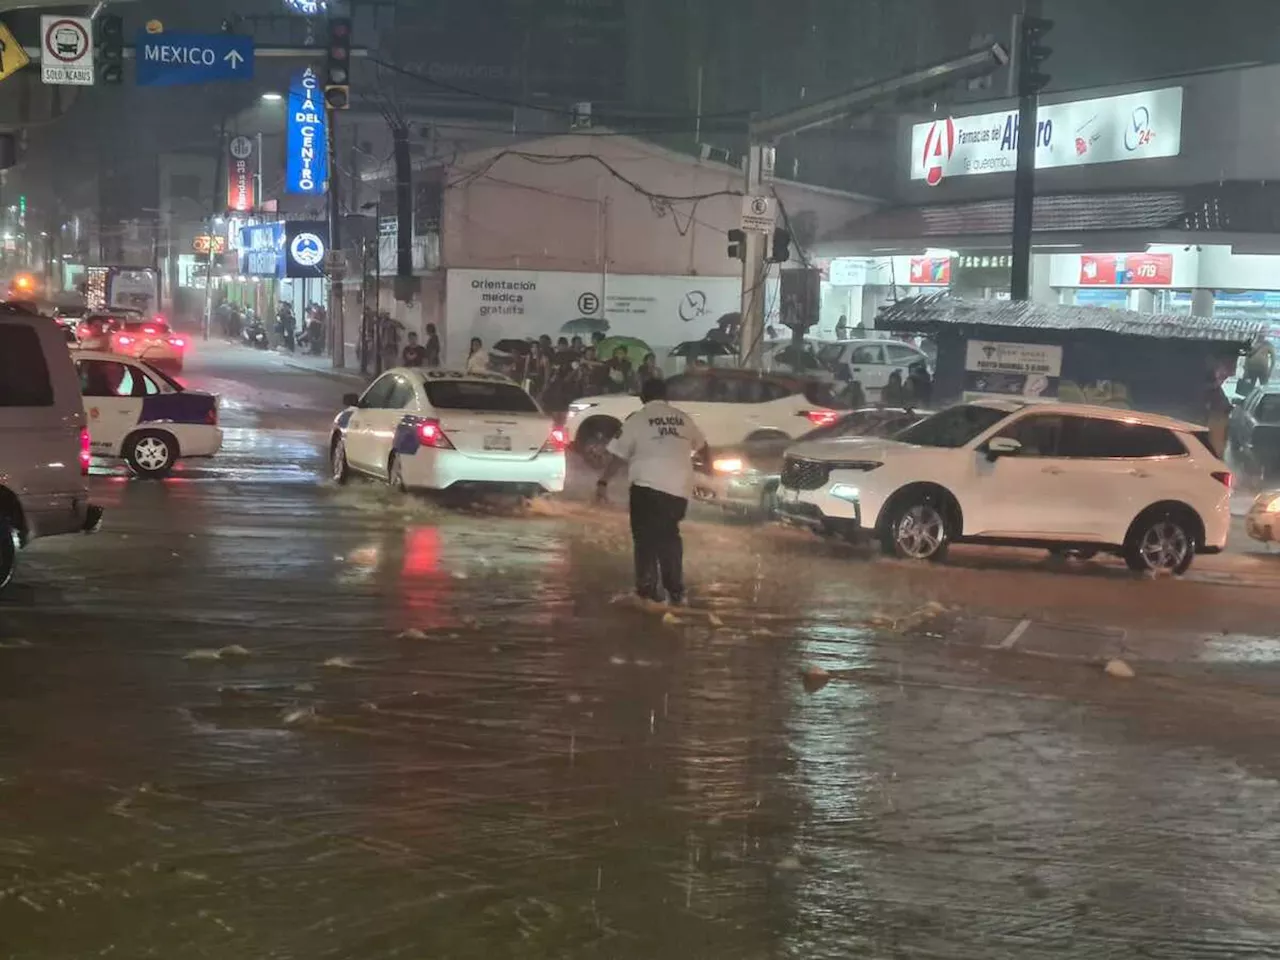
(766, 131)
(1031, 54)
(337, 329)
(755, 264)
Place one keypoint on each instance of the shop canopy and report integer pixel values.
(1233, 212)
(942, 313)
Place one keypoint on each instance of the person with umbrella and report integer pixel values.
(656, 445)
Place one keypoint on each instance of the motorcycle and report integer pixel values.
(254, 332)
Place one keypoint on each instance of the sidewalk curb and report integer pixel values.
(340, 375)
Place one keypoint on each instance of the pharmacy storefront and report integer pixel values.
(1157, 199)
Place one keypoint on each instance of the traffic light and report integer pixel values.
(110, 31)
(737, 245)
(1032, 53)
(337, 76)
(780, 252)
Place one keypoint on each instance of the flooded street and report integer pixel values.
(260, 716)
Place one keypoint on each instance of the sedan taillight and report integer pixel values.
(432, 435)
(557, 442)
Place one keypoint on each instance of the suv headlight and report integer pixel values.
(579, 406)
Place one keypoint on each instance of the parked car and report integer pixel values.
(439, 429)
(44, 442)
(1066, 477)
(729, 405)
(870, 362)
(1262, 522)
(744, 478)
(1253, 433)
(140, 415)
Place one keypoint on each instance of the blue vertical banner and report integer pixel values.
(307, 168)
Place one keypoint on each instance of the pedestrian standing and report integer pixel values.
(656, 445)
(478, 358)
(414, 354)
(432, 347)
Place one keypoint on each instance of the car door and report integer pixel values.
(1024, 495)
(359, 433)
(113, 392)
(382, 423)
(1115, 469)
(692, 393)
(867, 365)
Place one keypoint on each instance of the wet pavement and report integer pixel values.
(260, 716)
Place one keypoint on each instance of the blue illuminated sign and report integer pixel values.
(309, 8)
(307, 168)
(262, 250)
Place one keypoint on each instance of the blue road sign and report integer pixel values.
(174, 59)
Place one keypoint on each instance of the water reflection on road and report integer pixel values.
(260, 716)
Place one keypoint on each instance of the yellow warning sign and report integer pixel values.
(12, 57)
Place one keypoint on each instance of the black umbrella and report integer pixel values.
(703, 348)
(513, 346)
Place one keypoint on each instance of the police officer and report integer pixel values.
(657, 444)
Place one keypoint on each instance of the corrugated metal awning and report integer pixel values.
(941, 312)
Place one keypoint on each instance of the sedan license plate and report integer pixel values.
(497, 441)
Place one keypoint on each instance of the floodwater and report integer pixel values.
(260, 716)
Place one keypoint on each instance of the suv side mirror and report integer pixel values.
(351, 399)
(999, 447)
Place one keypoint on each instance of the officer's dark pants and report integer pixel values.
(655, 531)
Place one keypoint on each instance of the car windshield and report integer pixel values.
(478, 395)
(1268, 410)
(953, 427)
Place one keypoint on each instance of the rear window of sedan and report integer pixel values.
(146, 326)
(479, 395)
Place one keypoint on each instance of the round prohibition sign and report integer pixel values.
(66, 40)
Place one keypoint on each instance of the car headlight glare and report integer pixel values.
(845, 491)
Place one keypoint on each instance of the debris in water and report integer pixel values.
(339, 663)
(234, 650)
(670, 619)
(814, 679)
(413, 633)
(459, 575)
(789, 863)
(304, 688)
(1120, 670)
(205, 655)
(15, 644)
(714, 620)
(297, 715)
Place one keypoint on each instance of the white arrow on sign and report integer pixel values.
(234, 58)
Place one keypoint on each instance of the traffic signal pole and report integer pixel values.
(764, 132)
(1030, 54)
(337, 309)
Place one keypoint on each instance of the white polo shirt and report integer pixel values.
(658, 442)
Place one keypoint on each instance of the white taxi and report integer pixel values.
(440, 429)
(139, 414)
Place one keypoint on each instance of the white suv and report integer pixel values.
(1067, 477)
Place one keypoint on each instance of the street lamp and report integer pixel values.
(272, 97)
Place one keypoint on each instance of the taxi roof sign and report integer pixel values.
(12, 57)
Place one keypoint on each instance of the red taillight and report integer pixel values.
(1223, 477)
(432, 435)
(556, 442)
(822, 418)
(211, 417)
(178, 342)
(84, 451)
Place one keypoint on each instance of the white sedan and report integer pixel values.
(439, 429)
(730, 407)
(138, 414)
